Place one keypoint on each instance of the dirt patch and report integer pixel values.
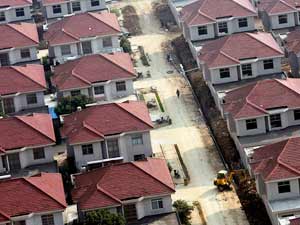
(131, 20)
(251, 202)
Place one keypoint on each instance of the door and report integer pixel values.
(8, 105)
(4, 59)
(130, 213)
(14, 161)
(86, 47)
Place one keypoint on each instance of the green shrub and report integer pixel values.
(125, 44)
(103, 217)
(184, 211)
(115, 11)
(67, 105)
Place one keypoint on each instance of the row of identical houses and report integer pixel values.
(109, 142)
(243, 69)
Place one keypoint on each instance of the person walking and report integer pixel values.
(177, 93)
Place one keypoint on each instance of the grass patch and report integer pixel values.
(143, 57)
(159, 102)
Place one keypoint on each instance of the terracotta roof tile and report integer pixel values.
(110, 185)
(295, 221)
(10, 3)
(278, 6)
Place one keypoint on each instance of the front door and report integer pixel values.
(130, 213)
(4, 59)
(14, 161)
(8, 105)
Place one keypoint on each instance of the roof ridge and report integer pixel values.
(64, 21)
(236, 2)
(279, 81)
(118, 65)
(252, 35)
(120, 106)
(37, 187)
(4, 214)
(21, 72)
(89, 127)
(99, 188)
(133, 163)
(93, 15)
(78, 76)
(11, 25)
(285, 3)
(251, 103)
(228, 56)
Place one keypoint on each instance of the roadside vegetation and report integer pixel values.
(184, 211)
(67, 105)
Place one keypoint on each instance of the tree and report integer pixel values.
(125, 44)
(184, 211)
(104, 217)
(67, 105)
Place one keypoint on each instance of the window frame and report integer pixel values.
(107, 42)
(243, 22)
(296, 114)
(282, 185)
(2, 16)
(267, 64)
(77, 7)
(87, 45)
(247, 70)
(202, 30)
(283, 17)
(276, 121)
(20, 10)
(38, 153)
(31, 99)
(56, 9)
(137, 139)
(93, 3)
(223, 27)
(87, 149)
(121, 86)
(48, 219)
(100, 86)
(251, 124)
(139, 157)
(25, 53)
(72, 93)
(63, 49)
(113, 148)
(224, 71)
(157, 204)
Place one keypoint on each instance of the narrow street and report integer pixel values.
(188, 129)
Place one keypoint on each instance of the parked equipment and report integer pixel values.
(224, 178)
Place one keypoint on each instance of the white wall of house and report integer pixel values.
(275, 23)
(215, 78)
(273, 194)
(62, 58)
(83, 91)
(194, 35)
(112, 93)
(48, 10)
(144, 207)
(37, 219)
(82, 160)
(241, 129)
(235, 25)
(20, 102)
(10, 14)
(15, 55)
(260, 67)
(97, 45)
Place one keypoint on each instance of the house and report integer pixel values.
(83, 34)
(239, 58)
(292, 47)
(18, 44)
(59, 8)
(262, 113)
(15, 10)
(276, 170)
(279, 14)
(108, 132)
(22, 88)
(135, 189)
(202, 19)
(38, 200)
(101, 77)
(26, 141)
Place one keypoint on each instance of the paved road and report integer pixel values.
(188, 129)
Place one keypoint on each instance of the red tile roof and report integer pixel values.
(40, 193)
(295, 221)
(277, 161)
(71, 29)
(22, 79)
(96, 122)
(279, 6)
(253, 100)
(84, 71)
(109, 186)
(26, 131)
(18, 35)
(229, 50)
(9, 3)
(208, 11)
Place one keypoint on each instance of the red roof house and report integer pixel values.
(15, 3)
(137, 182)
(39, 195)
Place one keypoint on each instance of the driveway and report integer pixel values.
(188, 129)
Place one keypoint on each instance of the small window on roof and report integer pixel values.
(284, 187)
(56, 9)
(202, 30)
(20, 12)
(243, 22)
(282, 19)
(251, 124)
(224, 73)
(268, 64)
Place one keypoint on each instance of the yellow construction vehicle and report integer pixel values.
(224, 178)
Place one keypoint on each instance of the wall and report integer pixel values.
(84, 91)
(235, 25)
(291, 119)
(83, 159)
(276, 25)
(260, 67)
(194, 36)
(58, 55)
(272, 190)
(49, 11)
(215, 76)
(97, 45)
(15, 55)
(86, 5)
(242, 131)
(10, 15)
(112, 93)
(37, 220)
(20, 102)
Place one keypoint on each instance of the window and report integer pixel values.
(87, 149)
(223, 27)
(95, 3)
(75, 93)
(137, 140)
(251, 124)
(157, 203)
(247, 70)
(282, 19)
(268, 64)
(284, 187)
(38, 153)
(243, 22)
(202, 30)
(113, 148)
(139, 157)
(20, 12)
(22, 222)
(2, 16)
(99, 90)
(121, 86)
(76, 6)
(48, 220)
(297, 114)
(31, 98)
(25, 53)
(275, 120)
(56, 9)
(224, 73)
(8, 105)
(86, 47)
(107, 42)
(65, 49)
